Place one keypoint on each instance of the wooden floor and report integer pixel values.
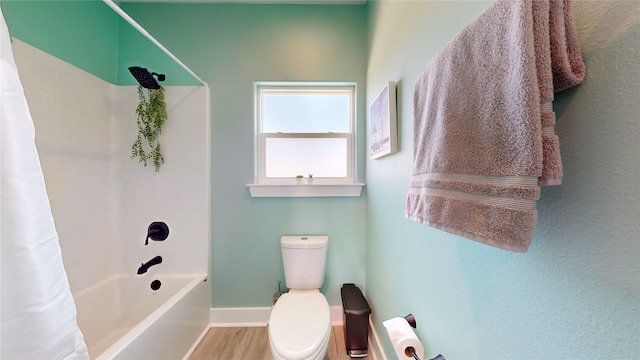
(253, 343)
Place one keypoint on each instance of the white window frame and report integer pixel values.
(301, 88)
(321, 186)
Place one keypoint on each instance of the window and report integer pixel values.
(305, 129)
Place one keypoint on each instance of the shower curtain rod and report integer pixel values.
(144, 32)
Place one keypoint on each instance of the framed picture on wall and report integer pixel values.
(382, 122)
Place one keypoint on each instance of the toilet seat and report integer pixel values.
(300, 326)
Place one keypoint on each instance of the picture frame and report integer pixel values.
(382, 122)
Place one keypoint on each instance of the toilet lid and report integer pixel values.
(298, 324)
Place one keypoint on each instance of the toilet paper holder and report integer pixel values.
(410, 351)
(415, 356)
(411, 320)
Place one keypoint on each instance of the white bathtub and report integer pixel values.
(123, 318)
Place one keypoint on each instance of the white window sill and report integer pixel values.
(306, 190)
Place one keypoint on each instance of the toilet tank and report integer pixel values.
(304, 259)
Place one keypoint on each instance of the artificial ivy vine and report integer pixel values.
(152, 113)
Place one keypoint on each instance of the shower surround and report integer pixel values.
(102, 200)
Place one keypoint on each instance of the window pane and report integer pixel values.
(288, 157)
(306, 112)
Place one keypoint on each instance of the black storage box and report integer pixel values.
(355, 318)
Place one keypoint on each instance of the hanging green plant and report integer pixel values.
(152, 113)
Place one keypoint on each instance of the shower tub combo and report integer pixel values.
(144, 317)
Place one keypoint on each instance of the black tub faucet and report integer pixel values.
(144, 267)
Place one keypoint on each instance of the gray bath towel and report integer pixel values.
(483, 123)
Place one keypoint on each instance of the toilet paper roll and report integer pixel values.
(403, 337)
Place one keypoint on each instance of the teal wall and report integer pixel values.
(576, 293)
(230, 46)
(91, 36)
(134, 49)
(82, 33)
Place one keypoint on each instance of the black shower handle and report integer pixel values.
(157, 231)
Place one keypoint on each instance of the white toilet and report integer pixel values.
(300, 322)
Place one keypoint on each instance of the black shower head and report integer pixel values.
(145, 78)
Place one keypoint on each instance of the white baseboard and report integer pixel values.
(239, 317)
(336, 315)
(259, 316)
(375, 348)
(255, 316)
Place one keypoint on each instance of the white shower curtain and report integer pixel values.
(37, 310)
